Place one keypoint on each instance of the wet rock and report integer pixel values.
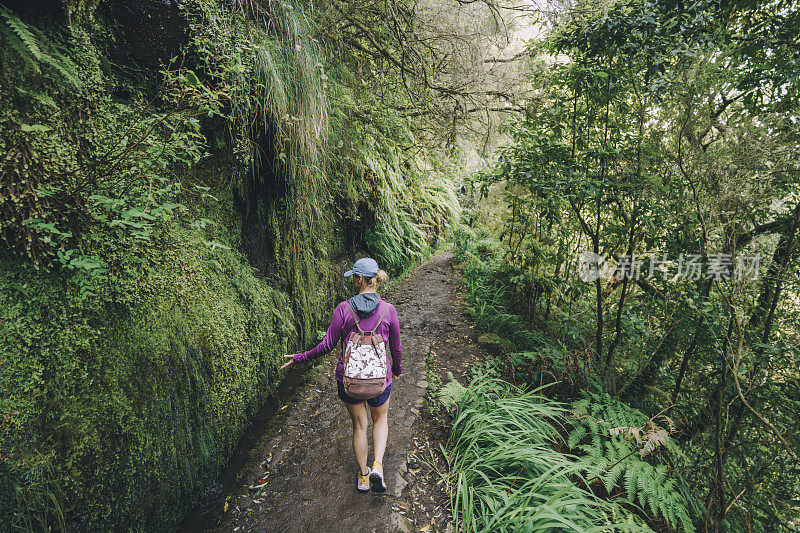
(398, 486)
(400, 524)
(492, 342)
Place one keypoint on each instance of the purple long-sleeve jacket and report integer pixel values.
(342, 323)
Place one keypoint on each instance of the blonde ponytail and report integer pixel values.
(375, 281)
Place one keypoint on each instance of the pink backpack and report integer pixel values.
(366, 360)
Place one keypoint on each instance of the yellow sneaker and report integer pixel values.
(376, 477)
(363, 482)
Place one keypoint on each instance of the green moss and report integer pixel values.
(143, 401)
(79, 11)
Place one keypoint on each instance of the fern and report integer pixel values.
(41, 98)
(452, 392)
(22, 31)
(64, 66)
(576, 435)
(23, 40)
(609, 433)
(505, 475)
(613, 477)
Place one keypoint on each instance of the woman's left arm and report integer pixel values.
(394, 343)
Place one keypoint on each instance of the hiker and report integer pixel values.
(363, 323)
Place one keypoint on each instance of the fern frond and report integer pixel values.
(22, 31)
(631, 483)
(613, 476)
(22, 39)
(617, 432)
(28, 64)
(641, 483)
(661, 475)
(653, 441)
(64, 66)
(576, 436)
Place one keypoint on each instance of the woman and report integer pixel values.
(367, 277)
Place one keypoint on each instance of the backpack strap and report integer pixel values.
(356, 320)
(385, 308)
(355, 317)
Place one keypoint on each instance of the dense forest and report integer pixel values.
(647, 257)
(183, 182)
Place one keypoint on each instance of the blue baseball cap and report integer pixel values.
(366, 266)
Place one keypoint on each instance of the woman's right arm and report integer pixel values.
(328, 343)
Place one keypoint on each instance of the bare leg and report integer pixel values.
(380, 429)
(358, 415)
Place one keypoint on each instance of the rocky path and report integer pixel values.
(308, 460)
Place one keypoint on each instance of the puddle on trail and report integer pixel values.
(209, 511)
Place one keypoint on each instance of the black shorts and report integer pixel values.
(377, 401)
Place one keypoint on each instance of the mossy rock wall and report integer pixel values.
(131, 409)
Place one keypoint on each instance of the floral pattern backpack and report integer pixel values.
(366, 360)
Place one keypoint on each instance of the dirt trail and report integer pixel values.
(309, 458)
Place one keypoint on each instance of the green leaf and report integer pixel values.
(37, 128)
(137, 212)
(192, 78)
(214, 245)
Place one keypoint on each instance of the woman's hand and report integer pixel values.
(394, 376)
(288, 363)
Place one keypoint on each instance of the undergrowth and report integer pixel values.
(632, 458)
(535, 445)
(519, 461)
(480, 259)
(507, 472)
